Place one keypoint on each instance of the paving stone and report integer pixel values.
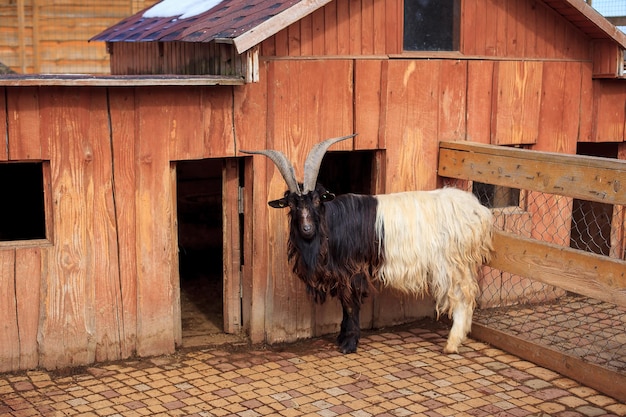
(393, 374)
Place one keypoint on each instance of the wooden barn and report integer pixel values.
(52, 36)
(132, 184)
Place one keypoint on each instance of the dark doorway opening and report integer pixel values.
(344, 172)
(200, 243)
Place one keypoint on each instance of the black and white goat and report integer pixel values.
(419, 242)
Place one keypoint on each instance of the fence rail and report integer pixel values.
(534, 243)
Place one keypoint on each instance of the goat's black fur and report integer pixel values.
(343, 246)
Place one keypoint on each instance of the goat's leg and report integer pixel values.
(351, 300)
(461, 325)
(350, 333)
(462, 312)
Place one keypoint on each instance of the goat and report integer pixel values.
(418, 242)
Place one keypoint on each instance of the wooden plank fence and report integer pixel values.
(596, 276)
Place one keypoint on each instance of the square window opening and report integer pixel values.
(22, 216)
(431, 25)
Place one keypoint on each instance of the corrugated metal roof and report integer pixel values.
(229, 19)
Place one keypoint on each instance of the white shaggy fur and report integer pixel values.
(434, 242)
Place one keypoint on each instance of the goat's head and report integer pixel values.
(305, 201)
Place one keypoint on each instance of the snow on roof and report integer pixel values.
(182, 9)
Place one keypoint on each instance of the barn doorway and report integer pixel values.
(208, 307)
(356, 172)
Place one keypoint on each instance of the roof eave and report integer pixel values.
(570, 8)
(276, 23)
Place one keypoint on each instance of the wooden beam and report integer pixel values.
(617, 20)
(276, 23)
(117, 80)
(580, 272)
(586, 373)
(232, 246)
(584, 177)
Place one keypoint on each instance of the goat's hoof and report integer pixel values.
(348, 347)
(448, 350)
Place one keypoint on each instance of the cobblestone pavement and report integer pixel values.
(397, 372)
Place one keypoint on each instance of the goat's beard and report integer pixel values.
(309, 260)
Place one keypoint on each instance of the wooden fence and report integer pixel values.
(588, 274)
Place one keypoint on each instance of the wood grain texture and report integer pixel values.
(24, 125)
(584, 177)
(609, 111)
(9, 349)
(231, 228)
(123, 114)
(28, 274)
(480, 91)
(370, 79)
(75, 121)
(516, 102)
(155, 250)
(583, 273)
(4, 127)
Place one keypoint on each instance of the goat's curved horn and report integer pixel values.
(284, 167)
(314, 161)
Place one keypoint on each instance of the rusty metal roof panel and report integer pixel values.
(228, 19)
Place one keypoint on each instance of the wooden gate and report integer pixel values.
(524, 252)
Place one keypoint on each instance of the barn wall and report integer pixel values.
(342, 27)
(103, 286)
(406, 107)
(181, 58)
(489, 28)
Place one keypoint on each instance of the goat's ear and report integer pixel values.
(280, 203)
(327, 196)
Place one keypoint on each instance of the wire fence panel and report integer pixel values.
(585, 327)
(558, 277)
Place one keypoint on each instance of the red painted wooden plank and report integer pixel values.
(343, 27)
(124, 139)
(156, 288)
(411, 125)
(75, 119)
(331, 29)
(479, 100)
(516, 106)
(453, 100)
(9, 336)
(4, 130)
(368, 103)
(25, 141)
(318, 32)
(28, 273)
(379, 25)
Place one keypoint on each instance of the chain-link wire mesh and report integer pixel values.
(590, 329)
